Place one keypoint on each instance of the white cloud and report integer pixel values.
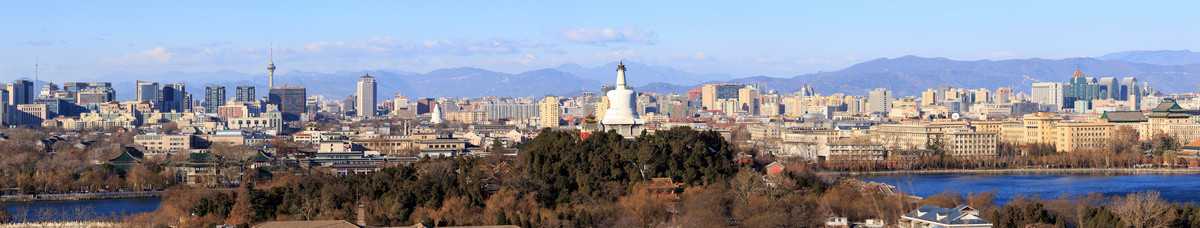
(604, 36)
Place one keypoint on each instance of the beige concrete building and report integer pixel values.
(164, 143)
(963, 139)
(855, 151)
(550, 112)
(1049, 128)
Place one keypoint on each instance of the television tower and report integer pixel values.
(271, 66)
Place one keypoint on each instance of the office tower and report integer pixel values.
(290, 100)
(56, 106)
(1049, 94)
(20, 92)
(880, 101)
(214, 96)
(1132, 91)
(367, 95)
(1110, 88)
(550, 112)
(748, 100)
(89, 94)
(620, 115)
(245, 93)
(4, 108)
(147, 91)
(712, 93)
(1079, 88)
(174, 98)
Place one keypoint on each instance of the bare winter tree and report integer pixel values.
(1144, 209)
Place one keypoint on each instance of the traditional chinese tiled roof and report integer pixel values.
(1123, 116)
(261, 157)
(1168, 109)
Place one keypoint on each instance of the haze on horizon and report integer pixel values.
(80, 40)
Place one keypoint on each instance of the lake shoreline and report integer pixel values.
(81, 196)
(1066, 171)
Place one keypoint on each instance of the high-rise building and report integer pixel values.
(89, 94)
(929, 97)
(349, 104)
(1081, 88)
(748, 100)
(290, 100)
(1131, 91)
(424, 105)
(4, 109)
(174, 98)
(20, 92)
(56, 106)
(147, 91)
(1110, 88)
(367, 96)
(711, 93)
(1048, 94)
(1004, 95)
(943, 92)
(245, 93)
(214, 97)
(550, 112)
(880, 101)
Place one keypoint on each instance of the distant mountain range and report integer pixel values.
(1169, 71)
(1162, 57)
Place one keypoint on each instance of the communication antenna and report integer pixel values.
(36, 76)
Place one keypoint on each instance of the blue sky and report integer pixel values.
(84, 39)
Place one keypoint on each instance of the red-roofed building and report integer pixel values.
(1190, 153)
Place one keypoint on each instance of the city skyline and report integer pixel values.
(782, 41)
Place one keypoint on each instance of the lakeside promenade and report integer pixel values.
(1068, 171)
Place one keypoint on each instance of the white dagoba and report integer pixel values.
(620, 115)
(437, 115)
